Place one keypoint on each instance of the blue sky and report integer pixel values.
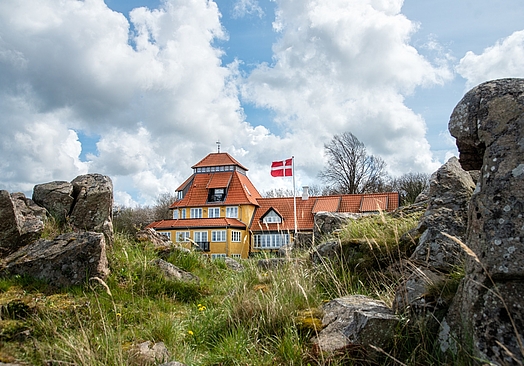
(141, 90)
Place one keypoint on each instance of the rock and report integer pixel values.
(93, 207)
(148, 353)
(450, 191)
(233, 264)
(355, 320)
(285, 250)
(70, 259)
(327, 222)
(56, 197)
(330, 250)
(172, 272)
(488, 124)
(414, 295)
(161, 242)
(21, 222)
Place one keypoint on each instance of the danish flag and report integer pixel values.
(282, 168)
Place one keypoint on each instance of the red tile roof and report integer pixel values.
(197, 223)
(219, 180)
(307, 208)
(374, 203)
(218, 159)
(328, 203)
(240, 190)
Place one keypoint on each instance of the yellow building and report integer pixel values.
(214, 208)
(219, 211)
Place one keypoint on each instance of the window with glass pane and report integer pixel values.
(182, 236)
(218, 235)
(235, 236)
(213, 212)
(232, 212)
(200, 236)
(272, 217)
(196, 213)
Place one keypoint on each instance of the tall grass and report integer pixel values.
(252, 317)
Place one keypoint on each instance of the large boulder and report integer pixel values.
(161, 242)
(70, 259)
(56, 197)
(488, 124)
(449, 193)
(21, 221)
(355, 320)
(93, 206)
(326, 223)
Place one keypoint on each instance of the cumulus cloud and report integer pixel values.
(247, 7)
(343, 66)
(504, 59)
(156, 92)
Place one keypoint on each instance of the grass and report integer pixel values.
(252, 317)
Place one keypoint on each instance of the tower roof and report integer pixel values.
(218, 159)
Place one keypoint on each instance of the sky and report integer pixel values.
(141, 90)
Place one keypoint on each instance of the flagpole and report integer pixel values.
(294, 196)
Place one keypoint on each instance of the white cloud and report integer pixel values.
(343, 66)
(504, 59)
(242, 8)
(160, 97)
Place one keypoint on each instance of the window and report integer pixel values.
(196, 213)
(236, 235)
(182, 236)
(237, 256)
(175, 214)
(200, 236)
(165, 233)
(270, 241)
(213, 212)
(218, 256)
(218, 235)
(232, 212)
(183, 213)
(272, 217)
(216, 195)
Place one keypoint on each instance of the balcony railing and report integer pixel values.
(202, 246)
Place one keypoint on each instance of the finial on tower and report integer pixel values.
(218, 146)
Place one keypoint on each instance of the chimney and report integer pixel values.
(305, 193)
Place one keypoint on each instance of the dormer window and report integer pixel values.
(272, 218)
(216, 195)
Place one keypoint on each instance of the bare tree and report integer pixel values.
(162, 204)
(350, 169)
(409, 186)
(278, 192)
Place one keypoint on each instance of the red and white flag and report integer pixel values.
(282, 168)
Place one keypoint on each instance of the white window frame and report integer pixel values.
(183, 236)
(270, 241)
(175, 214)
(200, 236)
(236, 256)
(218, 236)
(213, 212)
(165, 233)
(183, 213)
(232, 212)
(195, 213)
(272, 218)
(236, 236)
(218, 256)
